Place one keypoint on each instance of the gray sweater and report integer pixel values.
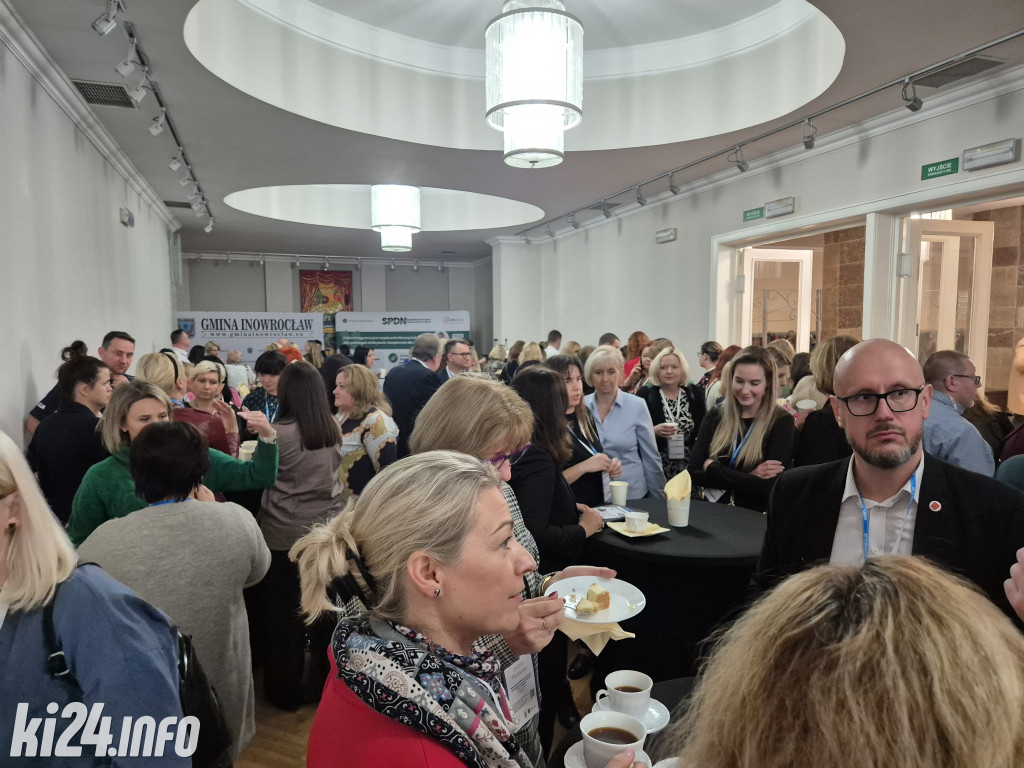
(191, 559)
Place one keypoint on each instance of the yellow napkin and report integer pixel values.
(679, 487)
(650, 530)
(595, 635)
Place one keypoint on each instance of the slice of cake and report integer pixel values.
(599, 596)
(585, 607)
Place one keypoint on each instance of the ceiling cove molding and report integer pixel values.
(959, 97)
(315, 261)
(27, 49)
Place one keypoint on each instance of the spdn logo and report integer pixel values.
(395, 321)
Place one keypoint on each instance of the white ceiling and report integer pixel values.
(237, 142)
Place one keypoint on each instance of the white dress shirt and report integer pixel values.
(891, 522)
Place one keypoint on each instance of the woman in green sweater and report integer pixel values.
(108, 491)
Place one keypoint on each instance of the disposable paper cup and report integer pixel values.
(636, 521)
(675, 427)
(632, 703)
(619, 488)
(806, 406)
(679, 512)
(246, 450)
(596, 754)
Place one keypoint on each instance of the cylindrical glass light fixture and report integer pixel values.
(395, 213)
(534, 55)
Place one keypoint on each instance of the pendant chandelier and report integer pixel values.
(534, 53)
(395, 213)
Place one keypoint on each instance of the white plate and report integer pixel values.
(626, 600)
(654, 719)
(574, 756)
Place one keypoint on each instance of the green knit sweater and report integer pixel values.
(108, 491)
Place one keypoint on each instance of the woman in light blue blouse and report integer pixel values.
(623, 424)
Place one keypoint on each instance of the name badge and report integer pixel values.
(677, 447)
(521, 684)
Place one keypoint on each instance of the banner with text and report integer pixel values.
(250, 332)
(391, 334)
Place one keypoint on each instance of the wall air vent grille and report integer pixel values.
(104, 94)
(969, 67)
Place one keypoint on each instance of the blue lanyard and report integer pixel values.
(906, 516)
(583, 441)
(266, 408)
(169, 501)
(736, 451)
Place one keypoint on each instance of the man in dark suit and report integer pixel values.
(409, 386)
(890, 497)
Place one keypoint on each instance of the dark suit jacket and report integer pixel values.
(408, 387)
(968, 523)
(821, 440)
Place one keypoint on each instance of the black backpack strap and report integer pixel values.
(56, 662)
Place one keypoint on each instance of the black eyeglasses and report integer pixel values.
(866, 404)
(511, 458)
(976, 379)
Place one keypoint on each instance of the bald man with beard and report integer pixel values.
(890, 497)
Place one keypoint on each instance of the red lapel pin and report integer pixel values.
(934, 506)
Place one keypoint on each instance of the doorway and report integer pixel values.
(777, 300)
(947, 276)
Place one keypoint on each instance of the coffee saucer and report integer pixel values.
(574, 756)
(654, 719)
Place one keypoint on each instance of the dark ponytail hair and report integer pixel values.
(79, 369)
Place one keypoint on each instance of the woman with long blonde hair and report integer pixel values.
(745, 443)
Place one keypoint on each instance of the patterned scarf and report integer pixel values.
(454, 699)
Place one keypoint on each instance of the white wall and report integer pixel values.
(612, 276)
(68, 268)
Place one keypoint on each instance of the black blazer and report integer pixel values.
(549, 510)
(408, 387)
(968, 523)
(821, 440)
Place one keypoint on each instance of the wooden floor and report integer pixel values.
(281, 737)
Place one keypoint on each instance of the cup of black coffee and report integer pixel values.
(627, 691)
(606, 734)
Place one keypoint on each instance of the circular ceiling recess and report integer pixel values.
(348, 205)
(656, 72)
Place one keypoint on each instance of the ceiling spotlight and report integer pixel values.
(194, 195)
(440, 267)
(571, 218)
(809, 130)
(176, 160)
(359, 264)
(415, 266)
(534, 83)
(127, 65)
(605, 210)
(550, 231)
(327, 264)
(672, 186)
(640, 196)
(526, 238)
(187, 180)
(911, 102)
(297, 265)
(105, 23)
(736, 156)
(139, 92)
(208, 229)
(201, 211)
(198, 203)
(158, 123)
(392, 265)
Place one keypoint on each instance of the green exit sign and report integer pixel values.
(941, 168)
(753, 213)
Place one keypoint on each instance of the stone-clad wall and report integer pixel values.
(842, 283)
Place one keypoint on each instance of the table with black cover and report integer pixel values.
(694, 578)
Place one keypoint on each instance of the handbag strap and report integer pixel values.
(56, 661)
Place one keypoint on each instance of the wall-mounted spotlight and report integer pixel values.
(201, 211)
(526, 238)
(415, 266)
(672, 186)
(640, 196)
(127, 65)
(327, 264)
(187, 180)
(810, 129)
(176, 160)
(158, 123)
(297, 265)
(440, 266)
(359, 264)
(550, 231)
(571, 218)
(605, 209)
(138, 93)
(736, 156)
(911, 102)
(208, 229)
(392, 265)
(105, 23)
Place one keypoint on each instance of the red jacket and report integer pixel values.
(348, 733)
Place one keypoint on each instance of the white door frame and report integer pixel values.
(805, 258)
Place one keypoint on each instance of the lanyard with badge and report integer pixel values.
(903, 526)
(676, 413)
(714, 494)
(605, 479)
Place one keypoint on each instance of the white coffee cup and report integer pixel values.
(631, 702)
(597, 753)
(636, 521)
(806, 406)
(679, 512)
(675, 427)
(246, 450)
(619, 488)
